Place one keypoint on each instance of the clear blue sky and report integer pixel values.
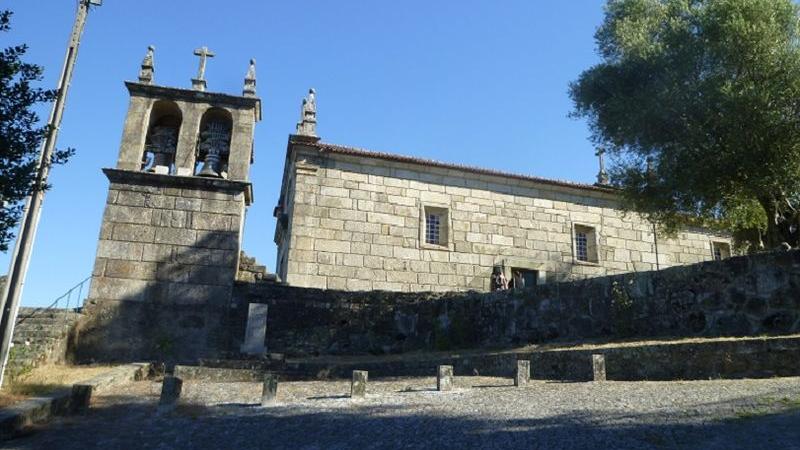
(482, 83)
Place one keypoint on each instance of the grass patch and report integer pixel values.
(752, 413)
(790, 403)
(769, 405)
(44, 380)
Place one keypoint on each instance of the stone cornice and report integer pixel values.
(155, 179)
(192, 95)
(327, 148)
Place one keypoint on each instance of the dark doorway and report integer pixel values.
(522, 278)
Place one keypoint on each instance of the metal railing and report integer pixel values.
(66, 298)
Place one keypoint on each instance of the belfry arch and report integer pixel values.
(161, 142)
(214, 143)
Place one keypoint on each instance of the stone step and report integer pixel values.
(47, 313)
(25, 328)
(32, 348)
(27, 310)
(56, 325)
(36, 334)
(39, 335)
(47, 320)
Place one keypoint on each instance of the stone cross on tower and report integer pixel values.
(199, 83)
(602, 175)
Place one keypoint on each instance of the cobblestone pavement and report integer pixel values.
(408, 413)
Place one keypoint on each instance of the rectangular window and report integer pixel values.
(721, 250)
(586, 244)
(581, 247)
(433, 228)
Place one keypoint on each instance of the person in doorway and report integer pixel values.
(517, 281)
(499, 281)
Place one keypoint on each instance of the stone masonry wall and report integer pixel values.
(168, 254)
(355, 224)
(740, 296)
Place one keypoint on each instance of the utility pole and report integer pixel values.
(12, 291)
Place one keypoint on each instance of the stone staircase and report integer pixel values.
(251, 271)
(40, 336)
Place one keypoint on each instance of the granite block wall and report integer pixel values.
(165, 267)
(356, 223)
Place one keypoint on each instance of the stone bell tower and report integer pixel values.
(172, 228)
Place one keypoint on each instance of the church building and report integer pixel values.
(354, 219)
(169, 270)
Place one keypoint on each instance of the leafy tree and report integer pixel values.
(20, 133)
(698, 104)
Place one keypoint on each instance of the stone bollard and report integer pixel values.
(81, 396)
(269, 394)
(444, 378)
(170, 391)
(358, 387)
(523, 375)
(599, 367)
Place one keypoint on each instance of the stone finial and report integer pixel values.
(147, 70)
(250, 80)
(307, 126)
(602, 175)
(199, 83)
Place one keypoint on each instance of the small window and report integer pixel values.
(585, 244)
(581, 246)
(522, 278)
(721, 250)
(435, 229)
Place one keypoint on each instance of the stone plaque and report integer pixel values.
(256, 331)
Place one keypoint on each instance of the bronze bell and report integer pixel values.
(213, 146)
(210, 165)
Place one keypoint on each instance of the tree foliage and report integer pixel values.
(20, 132)
(698, 104)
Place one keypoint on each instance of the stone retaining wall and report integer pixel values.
(700, 360)
(741, 296)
